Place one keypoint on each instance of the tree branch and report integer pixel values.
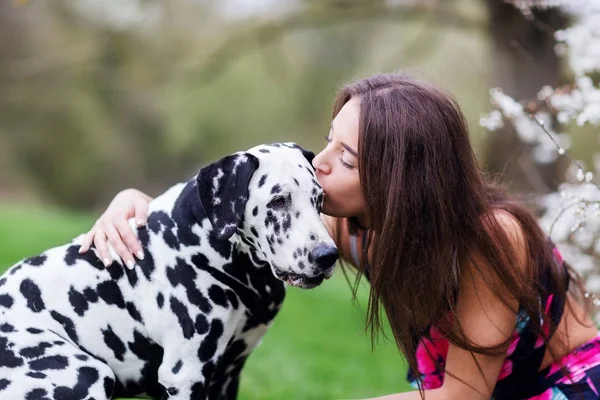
(241, 43)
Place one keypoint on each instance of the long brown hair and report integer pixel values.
(429, 210)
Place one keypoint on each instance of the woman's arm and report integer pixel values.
(113, 226)
(486, 321)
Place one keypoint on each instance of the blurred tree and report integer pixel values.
(523, 60)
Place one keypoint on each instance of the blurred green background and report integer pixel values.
(100, 95)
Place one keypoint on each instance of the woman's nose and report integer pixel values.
(320, 163)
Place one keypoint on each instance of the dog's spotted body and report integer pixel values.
(181, 324)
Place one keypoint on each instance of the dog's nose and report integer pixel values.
(324, 255)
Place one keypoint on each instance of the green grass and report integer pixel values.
(316, 348)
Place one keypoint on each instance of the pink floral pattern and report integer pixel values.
(583, 363)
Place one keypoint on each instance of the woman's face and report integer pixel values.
(337, 165)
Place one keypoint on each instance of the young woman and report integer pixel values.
(477, 297)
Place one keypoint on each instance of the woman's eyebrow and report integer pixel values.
(344, 145)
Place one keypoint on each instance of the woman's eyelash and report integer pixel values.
(327, 138)
(345, 164)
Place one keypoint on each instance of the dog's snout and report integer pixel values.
(324, 255)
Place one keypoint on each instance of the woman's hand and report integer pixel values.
(113, 225)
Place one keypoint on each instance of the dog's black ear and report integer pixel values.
(223, 191)
(309, 155)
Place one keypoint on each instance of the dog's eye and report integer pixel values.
(277, 202)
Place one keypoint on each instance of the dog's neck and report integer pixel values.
(187, 213)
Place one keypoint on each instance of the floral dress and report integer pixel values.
(520, 376)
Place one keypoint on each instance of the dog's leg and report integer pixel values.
(188, 365)
(226, 379)
(39, 364)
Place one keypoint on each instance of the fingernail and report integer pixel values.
(140, 222)
(140, 254)
(130, 264)
(106, 262)
(80, 250)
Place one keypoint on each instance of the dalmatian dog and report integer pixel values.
(181, 324)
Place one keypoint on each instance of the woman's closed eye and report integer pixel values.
(341, 158)
(344, 163)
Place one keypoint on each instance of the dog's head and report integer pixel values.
(269, 195)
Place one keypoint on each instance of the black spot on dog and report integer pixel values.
(276, 227)
(6, 300)
(223, 247)
(7, 328)
(172, 391)
(36, 375)
(177, 367)
(184, 274)
(86, 377)
(81, 357)
(264, 151)
(287, 223)
(33, 295)
(4, 383)
(109, 387)
(255, 211)
(13, 270)
(110, 293)
(160, 300)
(132, 276)
(276, 189)
(35, 351)
(152, 354)
(133, 311)
(90, 295)
(233, 299)
(72, 255)
(198, 391)
(55, 362)
(262, 181)
(217, 295)
(209, 344)
(2, 282)
(208, 369)
(185, 322)
(66, 323)
(185, 212)
(254, 231)
(37, 260)
(296, 181)
(37, 394)
(301, 265)
(147, 264)
(201, 324)
(7, 357)
(34, 331)
(114, 343)
(78, 301)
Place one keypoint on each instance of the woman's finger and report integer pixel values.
(128, 236)
(100, 243)
(116, 241)
(87, 240)
(140, 211)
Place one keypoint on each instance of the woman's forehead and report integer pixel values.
(345, 123)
